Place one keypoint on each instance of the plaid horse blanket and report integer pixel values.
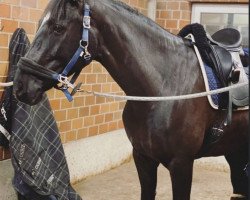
(37, 155)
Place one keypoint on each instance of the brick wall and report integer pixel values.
(87, 115)
(173, 15)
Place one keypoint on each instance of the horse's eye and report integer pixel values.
(58, 29)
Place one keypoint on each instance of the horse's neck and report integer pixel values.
(142, 58)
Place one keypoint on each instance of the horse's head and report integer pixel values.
(55, 43)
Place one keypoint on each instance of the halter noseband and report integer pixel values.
(30, 66)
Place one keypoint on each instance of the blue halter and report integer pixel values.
(82, 52)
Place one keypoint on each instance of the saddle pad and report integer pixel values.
(214, 84)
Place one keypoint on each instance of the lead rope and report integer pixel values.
(6, 84)
(165, 98)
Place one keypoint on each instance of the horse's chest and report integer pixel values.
(146, 128)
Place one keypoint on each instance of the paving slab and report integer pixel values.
(122, 183)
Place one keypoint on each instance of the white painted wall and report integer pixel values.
(152, 9)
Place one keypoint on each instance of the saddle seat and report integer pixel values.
(227, 38)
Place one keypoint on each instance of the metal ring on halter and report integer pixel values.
(65, 82)
(84, 44)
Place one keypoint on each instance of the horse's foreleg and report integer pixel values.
(147, 171)
(237, 162)
(181, 171)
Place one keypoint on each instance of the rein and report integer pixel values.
(31, 67)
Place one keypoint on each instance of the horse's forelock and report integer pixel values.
(58, 8)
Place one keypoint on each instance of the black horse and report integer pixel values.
(145, 60)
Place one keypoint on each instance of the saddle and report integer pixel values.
(222, 52)
(225, 55)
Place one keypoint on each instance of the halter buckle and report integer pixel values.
(86, 22)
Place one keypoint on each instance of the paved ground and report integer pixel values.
(122, 184)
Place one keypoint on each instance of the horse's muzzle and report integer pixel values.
(27, 89)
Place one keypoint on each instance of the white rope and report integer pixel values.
(6, 84)
(166, 98)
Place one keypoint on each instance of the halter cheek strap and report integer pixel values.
(82, 52)
(31, 67)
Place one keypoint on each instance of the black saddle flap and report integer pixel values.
(222, 61)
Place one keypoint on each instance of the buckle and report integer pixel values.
(87, 55)
(86, 22)
(65, 82)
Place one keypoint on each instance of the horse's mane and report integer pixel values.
(126, 7)
(57, 8)
(132, 11)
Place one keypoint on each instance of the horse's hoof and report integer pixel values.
(238, 197)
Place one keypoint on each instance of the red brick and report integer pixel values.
(183, 23)
(3, 40)
(93, 131)
(29, 3)
(35, 15)
(77, 123)
(82, 133)
(3, 70)
(5, 10)
(4, 54)
(55, 104)
(173, 5)
(65, 126)
(20, 13)
(165, 14)
(161, 5)
(70, 136)
(42, 4)
(29, 27)
(84, 111)
(88, 121)
(9, 26)
(99, 119)
(103, 128)
(185, 6)
(72, 113)
(12, 2)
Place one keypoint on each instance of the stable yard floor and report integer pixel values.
(122, 184)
